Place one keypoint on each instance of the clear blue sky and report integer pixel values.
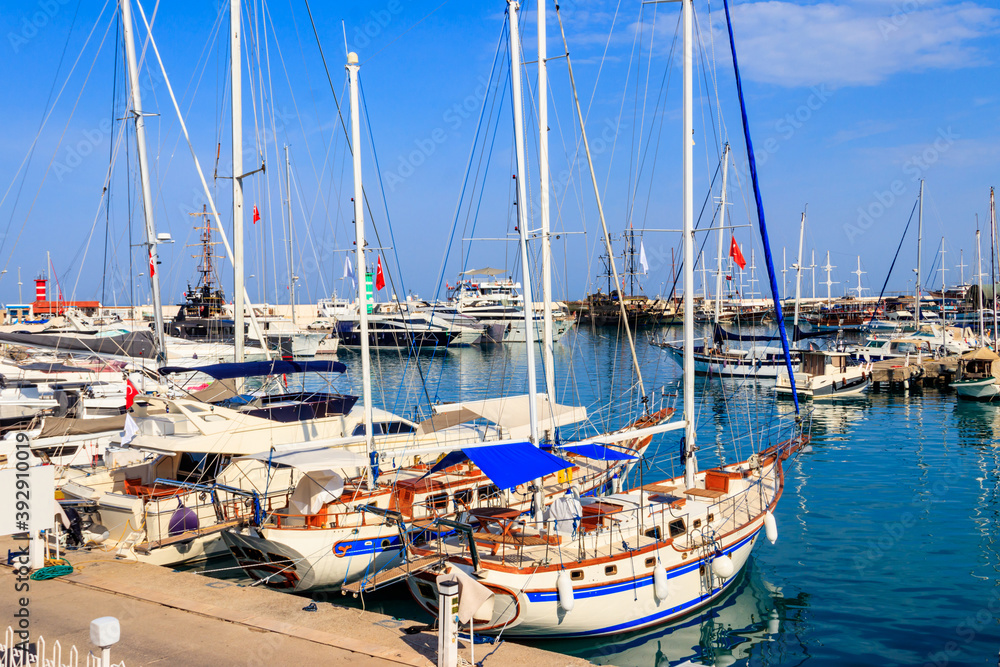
(850, 105)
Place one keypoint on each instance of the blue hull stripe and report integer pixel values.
(639, 582)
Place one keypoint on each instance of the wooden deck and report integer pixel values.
(389, 576)
(900, 374)
(145, 547)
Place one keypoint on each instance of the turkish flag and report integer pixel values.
(379, 278)
(734, 252)
(130, 393)
(256, 214)
(152, 264)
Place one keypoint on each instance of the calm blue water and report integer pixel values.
(886, 551)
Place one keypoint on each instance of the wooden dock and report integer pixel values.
(914, 372)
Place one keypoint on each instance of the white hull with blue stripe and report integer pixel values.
(602, 578)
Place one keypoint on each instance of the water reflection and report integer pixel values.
(754, 622)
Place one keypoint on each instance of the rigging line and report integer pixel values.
(26, 161)
(412, 347)
(45, 118)
(322, 130)
(760, 211)
(48, 167)
(893, 264)
(642, 121)
(336, 101)
(704, 76)
(485, 158)
(468, 167)
(111, 154)
(104, 194)
(664, 90)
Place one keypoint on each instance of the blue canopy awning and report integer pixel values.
(514, 463)
(508, 465)
(255, 368)
(598, 452)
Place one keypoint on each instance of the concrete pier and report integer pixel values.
(170, 617)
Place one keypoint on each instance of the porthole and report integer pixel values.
(610, 570)
(676, 527)
(651, 561)
(576, 575)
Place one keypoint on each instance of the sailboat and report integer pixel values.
(625, 561)
(342, 523)
(721, 359)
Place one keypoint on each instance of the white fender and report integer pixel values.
(565, 589)
(723, 567)
(770, 528)
(660, 586)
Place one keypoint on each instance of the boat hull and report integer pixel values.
(530, 607)
(985, 389)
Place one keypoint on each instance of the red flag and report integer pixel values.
(379, 278)
(130, 393)
(256, 214)
(734, 252)
(152, 264)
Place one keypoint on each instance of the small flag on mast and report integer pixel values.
(349, 271)
(734, 252)
(256, 214)
(379, 278)
(642, 258)
(152, 264)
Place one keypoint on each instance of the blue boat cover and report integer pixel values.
(255, 368)
(598, 452)
(514, 463)
(508, 465)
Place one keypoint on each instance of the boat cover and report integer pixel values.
(132, 344)
(508, 465)
(510, 413)
(255, 368)
(597, 452)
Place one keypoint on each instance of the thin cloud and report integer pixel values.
(856, 44)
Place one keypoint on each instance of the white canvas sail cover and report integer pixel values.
(510, 413)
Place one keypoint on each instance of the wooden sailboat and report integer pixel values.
(624, 561)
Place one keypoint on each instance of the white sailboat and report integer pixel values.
(629, 560)
(340, 523)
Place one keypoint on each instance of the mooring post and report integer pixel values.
(448, 624)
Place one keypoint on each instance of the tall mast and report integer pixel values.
(359, 230)
(859, 273)
(979, 280)
(961, 265)
(722, 234)
(543, 195)
(993, 280)
(704, 279)
(236, 103)
(798, 268)
(522, 212)
(687, 208)
(812, 272)
(606, 238)
(920, 241)
(147, 197)
(829, 283)
(943, 271)
(291, 247)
